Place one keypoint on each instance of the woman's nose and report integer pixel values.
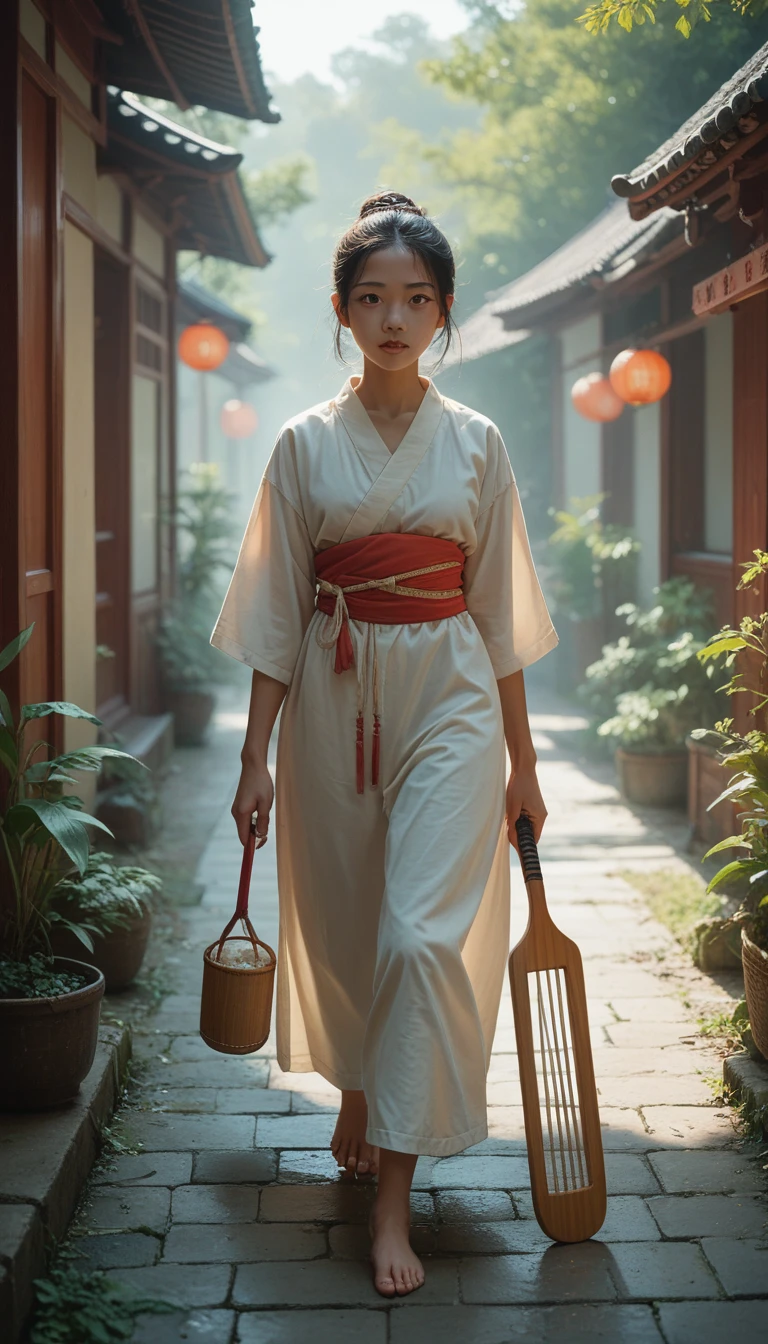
(394, 319)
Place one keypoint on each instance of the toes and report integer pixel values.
(363, 1166)
(385, 1285)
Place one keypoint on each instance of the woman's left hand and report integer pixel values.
(524, 795)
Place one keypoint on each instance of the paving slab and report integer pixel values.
(712, 1215)
(707, 1172)
(294, 1131)
(210, 1327)
(644, 1270)
(117, 1250)
(740, 1265)
(252, 1101)
(571, 1324)
(350, 1241)
(456, 1206)
(215, 1203)
(481, 1173)
(299, 1166)
(241, 1243)
(696, 1322)
(250, 1167)
(219, 1071)
(338, 1203)
(127, 1209)
(181, 1133)
(348, 1326)
(331, 1283)
(555, 1274)
(186, 1100)
(180, 1285)
(157, 1168)
(690, 1126)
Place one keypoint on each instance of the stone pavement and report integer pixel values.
(233, 1207)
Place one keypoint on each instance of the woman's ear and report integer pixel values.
(448, 301)
(339, 311)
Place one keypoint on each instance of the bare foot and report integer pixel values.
(397, 1271)
(348, 1144)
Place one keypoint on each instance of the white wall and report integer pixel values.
(718, 434)
(647, 489)
(581, 438)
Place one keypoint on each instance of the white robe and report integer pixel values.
(394, 904)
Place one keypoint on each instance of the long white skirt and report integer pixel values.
(394, 904)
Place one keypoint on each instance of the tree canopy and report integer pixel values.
(562, 112)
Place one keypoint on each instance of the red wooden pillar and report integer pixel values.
(750, 457)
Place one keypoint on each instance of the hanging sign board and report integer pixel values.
(740, 280)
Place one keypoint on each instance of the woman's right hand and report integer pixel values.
(255, 793)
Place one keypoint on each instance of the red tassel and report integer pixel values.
(360, 755)
(345, 654)
(375, 750)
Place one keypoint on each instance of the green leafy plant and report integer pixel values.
(107, 896)
(36, 978)
(652, 675)
(628, 14)
(744, 650)
(592, 561)
(202, 519)
(73, 1307)
(44, 830)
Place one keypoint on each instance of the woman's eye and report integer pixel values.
(369, 298)
(420, 299)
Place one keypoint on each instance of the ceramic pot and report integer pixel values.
(47, 1045)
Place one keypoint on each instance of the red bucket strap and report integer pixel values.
(241, 909)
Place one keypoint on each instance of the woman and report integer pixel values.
(385, 583)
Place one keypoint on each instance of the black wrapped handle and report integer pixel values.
(529, 854)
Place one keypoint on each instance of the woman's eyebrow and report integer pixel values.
(382, 284)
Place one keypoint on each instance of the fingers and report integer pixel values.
(252, 812)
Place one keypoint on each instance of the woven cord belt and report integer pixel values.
(332, 634)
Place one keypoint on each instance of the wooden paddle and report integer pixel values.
(557, 1078)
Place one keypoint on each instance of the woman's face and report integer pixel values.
(394, 309)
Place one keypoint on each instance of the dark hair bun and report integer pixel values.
(389, 200)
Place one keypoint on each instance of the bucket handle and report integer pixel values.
(241, 909)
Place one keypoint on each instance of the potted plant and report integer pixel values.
(112, 904)
(593, 566)
(659, 692)
(49, 1006)
(190, 665)
(746, 754)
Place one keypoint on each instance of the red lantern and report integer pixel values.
(595, 399)
(238, 419)
(640, 376)
(203, 346)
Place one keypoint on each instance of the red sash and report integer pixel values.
(388, 578)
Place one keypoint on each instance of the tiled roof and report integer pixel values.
(607, 249)
(185, 177)
(720, 116)
(199, 52)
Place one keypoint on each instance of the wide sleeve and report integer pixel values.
(502, 589)
(271, 595)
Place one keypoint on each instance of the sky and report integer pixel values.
(300, 36)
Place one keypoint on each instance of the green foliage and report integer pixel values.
(678, 899)
(562, 114)
(590, 559)
(204, 529)
(36, 978)
(109, 895)
(77, 1308)
(44, 829)
(652, 675)
(744, 652)
(628, 14)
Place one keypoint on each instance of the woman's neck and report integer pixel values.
(391, 394)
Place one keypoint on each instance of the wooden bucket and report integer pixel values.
(236, 1003)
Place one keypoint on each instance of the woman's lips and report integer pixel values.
(393, 345)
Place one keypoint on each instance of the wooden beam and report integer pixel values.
(134, 8)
